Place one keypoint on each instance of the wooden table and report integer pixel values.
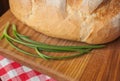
(99, 65)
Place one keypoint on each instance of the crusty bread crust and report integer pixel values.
(70, 19)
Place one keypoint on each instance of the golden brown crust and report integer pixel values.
(105, 31)
(66, 20)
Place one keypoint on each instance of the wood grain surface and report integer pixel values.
(99, 65)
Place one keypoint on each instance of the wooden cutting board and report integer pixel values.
(99, 65)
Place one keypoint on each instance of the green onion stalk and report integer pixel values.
(39, 47)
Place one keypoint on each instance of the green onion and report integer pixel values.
(21, 50)
(63, 57)
(38, 47)
(76, 47)
(27, 39)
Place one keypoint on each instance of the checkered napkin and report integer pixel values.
(12, 71)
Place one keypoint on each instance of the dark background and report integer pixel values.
(4, 6)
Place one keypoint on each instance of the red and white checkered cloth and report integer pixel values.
(13, 71)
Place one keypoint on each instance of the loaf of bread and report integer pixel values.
(90, 21)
